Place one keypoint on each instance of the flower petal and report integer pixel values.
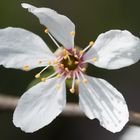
(98, 99)
(40, 105)
(115, 49)
(19, 48)
(58, 25)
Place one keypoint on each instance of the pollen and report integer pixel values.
(49, 62)
(58, 75)
(72, 33)
(55, 62)
(76, 62)
(26, 68)
(62, 65)
(66, 69)
(94, 59)
(46, 30)
(43, 79)
(83, 69)
(37, 75)
(72, 90)
(91, 43)
(81, 52)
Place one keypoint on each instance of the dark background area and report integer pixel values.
(91, 18)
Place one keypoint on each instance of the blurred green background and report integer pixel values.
(91, 18)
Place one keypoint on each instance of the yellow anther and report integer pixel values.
(75, 56)
(85, 81)
(83, 69)
(81, 52)
(26, 68)
(77, 82)
(37, 75)
(58, 75)
(91, 43)
(55, 62)
(66, 56)
(66, 69)
(76, 62)
(62, 65)
(74, 49)
(94, 59)
(43, 79)
(46, 30)
(72, 90)
(58, 86)
(65, 52)
(49, 62)
(72, 33)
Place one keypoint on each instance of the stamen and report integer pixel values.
(69, 60)
(78, 78)
(72, 33)
(82, 69)
(38, 75)
(85, 81)
(72, 90)
(58, 75)
(66, 69)
(94, 59)
(49, 62)
(26, 68)
(90, 45)
(47, 32)
(76, 62)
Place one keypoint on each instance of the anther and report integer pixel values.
(81, 52)
(55, 62)
(72, 90)
(37, 75)
(46, 30)
(72, 33)
(91, 43)
(62, 65)
(75, 56)
(58, 75)
(76, 62)
(43, 79)
(94, 59)
(66, 69)
(26, 68)
(49, 62)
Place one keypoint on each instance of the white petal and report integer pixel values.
(98, 99)
(59, 25)
(40, 105)
(115, 49)
(19, 48)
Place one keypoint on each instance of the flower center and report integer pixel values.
(71, 63)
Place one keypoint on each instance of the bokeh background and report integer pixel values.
(91, 18)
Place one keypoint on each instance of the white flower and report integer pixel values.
(97, 98)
